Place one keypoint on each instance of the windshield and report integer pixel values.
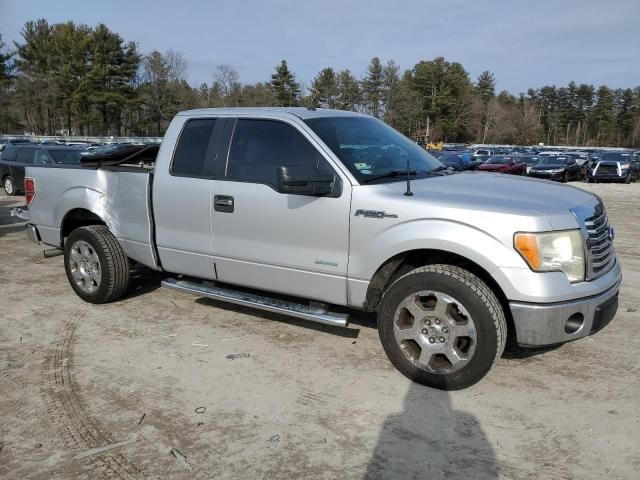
(65, 156)
(615, 157)
(553, 161)
(369, 147)
(530, 160)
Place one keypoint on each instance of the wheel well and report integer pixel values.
(403, 263)
(78, 217)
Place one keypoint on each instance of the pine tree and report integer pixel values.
(372, 86)
(286, 89)
(324, 88)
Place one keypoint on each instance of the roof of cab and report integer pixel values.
(300, 112)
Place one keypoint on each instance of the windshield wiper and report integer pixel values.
(438, 169)
(390, 173)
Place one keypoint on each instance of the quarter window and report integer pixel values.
(193, 147)
(259, 147)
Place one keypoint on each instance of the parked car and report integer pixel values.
(504, 164)
(316, 213)
(16, 157)
(457, 160)
(14, 141)
(556, 167)
(483, 151)
(529, 160)
(616, 166)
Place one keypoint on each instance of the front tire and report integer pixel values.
(97, 268)
(441, 326)
(9, 186)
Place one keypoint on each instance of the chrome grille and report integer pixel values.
(600, 254)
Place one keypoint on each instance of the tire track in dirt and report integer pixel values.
(68, 412)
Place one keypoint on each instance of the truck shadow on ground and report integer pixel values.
(430, 439)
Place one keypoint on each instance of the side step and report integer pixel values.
(315, 311)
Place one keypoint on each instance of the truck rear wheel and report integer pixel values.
(96, 265)
(442, 326)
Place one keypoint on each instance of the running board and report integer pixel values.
(315, 311)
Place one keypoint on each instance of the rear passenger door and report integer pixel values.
(262, 238)
(182, 200)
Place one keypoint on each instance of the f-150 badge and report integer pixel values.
(374, 214)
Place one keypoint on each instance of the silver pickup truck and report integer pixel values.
(315, 213)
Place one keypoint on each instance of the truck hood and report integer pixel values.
(465, 196)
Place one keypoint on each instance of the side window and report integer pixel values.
(189, 159)
(25, 155)
(259, 147)
(41, 158)
(9, 154)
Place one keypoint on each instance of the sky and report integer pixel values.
(524, 43)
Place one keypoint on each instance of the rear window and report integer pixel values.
(193, 145)
(66, 157)
(25, 155)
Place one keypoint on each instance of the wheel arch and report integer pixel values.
(76, 218)
(402, 263)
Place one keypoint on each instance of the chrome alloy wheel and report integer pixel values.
(8, 186)
(435, 332)
(84, 265)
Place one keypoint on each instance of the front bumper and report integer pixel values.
(548, 176)
(553, 323)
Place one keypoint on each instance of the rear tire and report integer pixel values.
(9, 185)
(97, 268)
(441, 326)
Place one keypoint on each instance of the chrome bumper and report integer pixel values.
(549, 324)
(21, 212)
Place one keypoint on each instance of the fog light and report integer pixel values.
(574, 323)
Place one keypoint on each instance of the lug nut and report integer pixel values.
(425, 331)
(445, 330)
(428, 322)
(441, 339)
(432, 340)
(437, 321)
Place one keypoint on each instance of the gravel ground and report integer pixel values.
(192, 388)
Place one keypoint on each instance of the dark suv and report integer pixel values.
(616, 166)
(15, 157)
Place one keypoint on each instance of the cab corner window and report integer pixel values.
(260, 147)
(189, 159)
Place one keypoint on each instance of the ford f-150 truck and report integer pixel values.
(314, 213)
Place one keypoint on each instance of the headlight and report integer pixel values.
(557, 170)
(553, 252)
(625, 166)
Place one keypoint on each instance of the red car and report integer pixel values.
(504, 164)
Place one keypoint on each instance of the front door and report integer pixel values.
(273, 241)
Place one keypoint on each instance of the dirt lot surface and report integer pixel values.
(191, 388)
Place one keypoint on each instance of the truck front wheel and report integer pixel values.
(442, 326)
(96, 265)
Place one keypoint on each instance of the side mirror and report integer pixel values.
(304, 180)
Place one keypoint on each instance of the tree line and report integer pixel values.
(75, 79)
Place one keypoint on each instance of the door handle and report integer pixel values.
(223, 203)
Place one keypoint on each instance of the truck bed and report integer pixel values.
(120, 195)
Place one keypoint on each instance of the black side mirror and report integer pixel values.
(304, 180)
